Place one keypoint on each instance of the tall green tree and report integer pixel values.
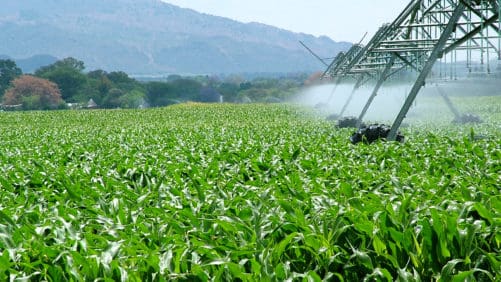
(8, 72)
(229, 91)
(122, 81)
(67, 74)
(159, 94)
(112, 90)
(113, 99)
(186, 89)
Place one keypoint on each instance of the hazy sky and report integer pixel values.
(338, 19)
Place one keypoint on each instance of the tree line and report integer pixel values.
(65, 84)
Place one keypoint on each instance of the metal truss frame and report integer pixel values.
(424, 32)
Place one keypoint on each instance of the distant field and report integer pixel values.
(247, 193)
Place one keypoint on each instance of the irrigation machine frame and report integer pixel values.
(423, 33)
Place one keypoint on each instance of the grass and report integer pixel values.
(245, 192)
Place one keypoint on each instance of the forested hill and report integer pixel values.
(149, 36)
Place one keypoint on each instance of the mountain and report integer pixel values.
(150, 36)
(31, 64)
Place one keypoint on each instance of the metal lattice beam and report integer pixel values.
(425, 31)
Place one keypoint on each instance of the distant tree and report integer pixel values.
(89, 91)
(104, 85)
(234, 79)
(122, 81)
(209, 95)
(67, 74)
(255, 94)
(173, 77)
(245, 85)
(186, 89)
(96, 74)
(112, 90)
(33, 93)
(70, 63)
(112, 100)
(120, 77)
(229, 91)
(8, 72)
(159, 94)
(96, 87)
(132, 99)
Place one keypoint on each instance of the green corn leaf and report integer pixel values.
(5, 218)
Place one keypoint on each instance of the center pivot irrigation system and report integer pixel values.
(424, 32)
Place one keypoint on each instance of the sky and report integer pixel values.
(340, 20)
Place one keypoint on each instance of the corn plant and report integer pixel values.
(244, 192)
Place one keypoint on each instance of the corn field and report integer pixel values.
(199, 192)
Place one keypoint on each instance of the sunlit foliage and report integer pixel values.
(33, 93)
(199, 192)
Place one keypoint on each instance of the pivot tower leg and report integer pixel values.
(449, 104)
(435, 54)
(382, 78)
(336, 84)
(355, 88)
